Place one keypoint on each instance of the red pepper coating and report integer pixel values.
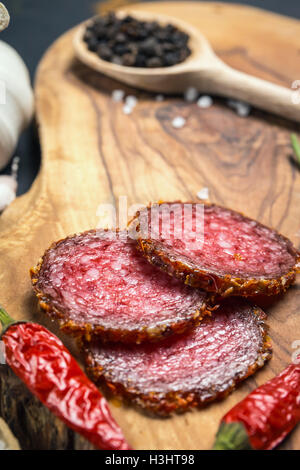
(43, 363)
(271, 411)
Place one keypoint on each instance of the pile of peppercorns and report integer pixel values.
(135, 43)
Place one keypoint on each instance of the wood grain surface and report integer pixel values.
(31, 422)
(93, 154)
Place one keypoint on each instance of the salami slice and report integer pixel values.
(216, 249)
(189, 370)
(97, 283)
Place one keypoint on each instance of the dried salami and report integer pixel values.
(189, 370)
(98, 284)
(216, 249)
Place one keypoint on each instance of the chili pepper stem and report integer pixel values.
(5, 319)
(232, 436)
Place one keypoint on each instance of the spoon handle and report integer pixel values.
(225, 81)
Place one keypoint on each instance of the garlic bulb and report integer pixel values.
(4, 17)
(16, 109)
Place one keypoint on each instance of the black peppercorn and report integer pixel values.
(135, 43)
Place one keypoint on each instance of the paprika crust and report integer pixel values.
(189, 370)
(97, 284)
(216, 249)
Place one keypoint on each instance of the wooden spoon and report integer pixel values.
(202, 69)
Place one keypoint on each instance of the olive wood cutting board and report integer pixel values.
(92, 154)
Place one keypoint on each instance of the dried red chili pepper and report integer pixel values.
(265, 417)
(43, 363)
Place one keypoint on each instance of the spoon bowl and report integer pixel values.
(172, 79)
(202, 70)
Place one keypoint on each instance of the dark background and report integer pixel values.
(35, 24)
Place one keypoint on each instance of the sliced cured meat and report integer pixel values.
(189, 370)
(97, 283)
(216, 249)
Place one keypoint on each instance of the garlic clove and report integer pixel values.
(4, 17)
(11, 60)
(11, 123)
(14, 75)
(7, 195)
(8, 141)
(21, 93)
(9, 185)
(11, 117)
(10, 181)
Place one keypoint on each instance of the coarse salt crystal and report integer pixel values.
(159, 98)
(242, 109)
(131, 101)
(203, 194)
(15, 167)
(127, 109)
(191, 94)
(118, 95)
(205, 101)
(178, 122)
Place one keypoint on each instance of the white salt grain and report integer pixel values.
(205, 101)
(118, 95)
(191, 94)
(178, 122)
(203, 194)
(127, 109)
(15, 167)
(131, 101)
(242, 109)
(159, 98)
